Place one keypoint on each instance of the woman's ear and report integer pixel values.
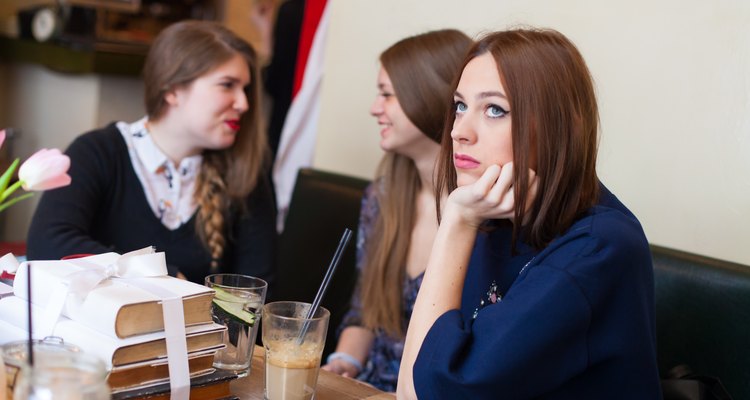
(171, 97)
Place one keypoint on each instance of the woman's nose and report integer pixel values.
(377, 106)
(241, 103)
(463, 132)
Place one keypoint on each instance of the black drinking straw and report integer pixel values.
(324, 285)
(28, 288)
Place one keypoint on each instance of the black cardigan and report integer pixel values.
(105, 209)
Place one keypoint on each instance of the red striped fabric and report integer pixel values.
(311, 19)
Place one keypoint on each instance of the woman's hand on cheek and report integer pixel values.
(490, 197)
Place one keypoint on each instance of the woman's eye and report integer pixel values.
(385, 95)
(494, 111)
(227, 85)
(460, 107)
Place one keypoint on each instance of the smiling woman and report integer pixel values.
(397, 219)
(189, 178)
(207, 111)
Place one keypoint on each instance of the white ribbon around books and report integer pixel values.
(92, 271)
(144, 263)
(134, 268)
(8, 263)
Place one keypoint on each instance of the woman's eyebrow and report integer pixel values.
(492, 93)
(482, 95)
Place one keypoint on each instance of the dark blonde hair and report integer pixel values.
(422, 69)
(181, 53)
(554, 130)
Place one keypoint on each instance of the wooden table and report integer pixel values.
(330, 386)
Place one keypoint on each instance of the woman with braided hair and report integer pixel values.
(189, 178)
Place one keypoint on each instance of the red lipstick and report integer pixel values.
(234, 124)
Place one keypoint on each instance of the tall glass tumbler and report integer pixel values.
(63, 376)
(294, 345)
(237, 304)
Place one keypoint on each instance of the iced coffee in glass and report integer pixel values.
(294, 345)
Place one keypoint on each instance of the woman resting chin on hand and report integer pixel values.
(539, 283)
(489, 197)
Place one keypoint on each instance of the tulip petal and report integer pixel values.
(2, 137)
(51, 183)
(46, 169)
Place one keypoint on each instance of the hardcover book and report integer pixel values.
(113, 351)
(116, 307)
(213, 386)
(147, 373)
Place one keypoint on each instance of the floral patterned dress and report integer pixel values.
(381, 369)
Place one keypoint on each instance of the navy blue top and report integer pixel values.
(573, 321)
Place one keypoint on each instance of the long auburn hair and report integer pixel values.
(554, 130)
(181, 53)
(422, 69)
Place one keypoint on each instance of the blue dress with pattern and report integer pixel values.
(381, 368)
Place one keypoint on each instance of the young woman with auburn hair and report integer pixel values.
(539, 284)
(188, 178)
(398, 219)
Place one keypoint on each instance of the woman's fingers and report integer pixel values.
(340, 368)
(482, 187)
(502, 185)
(501, 197)
(492, 196)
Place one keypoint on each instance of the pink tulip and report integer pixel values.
(2, 137)
(46, 169)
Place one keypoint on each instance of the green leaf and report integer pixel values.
(15, 200)
(9, 191)
(5, 179)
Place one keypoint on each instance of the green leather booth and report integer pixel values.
(322, 205)
(702, 304)
(703, 317)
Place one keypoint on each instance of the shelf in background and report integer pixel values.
(102, 58)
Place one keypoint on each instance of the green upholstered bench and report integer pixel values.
(322, 205)
(703, 317)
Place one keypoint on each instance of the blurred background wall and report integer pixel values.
(673, 82)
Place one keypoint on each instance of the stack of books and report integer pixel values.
(214, 386)
(123, 325)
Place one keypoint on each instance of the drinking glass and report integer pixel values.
(294, 345)
(237, 304)
(60, 372)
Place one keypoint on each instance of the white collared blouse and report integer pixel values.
(168, 188)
